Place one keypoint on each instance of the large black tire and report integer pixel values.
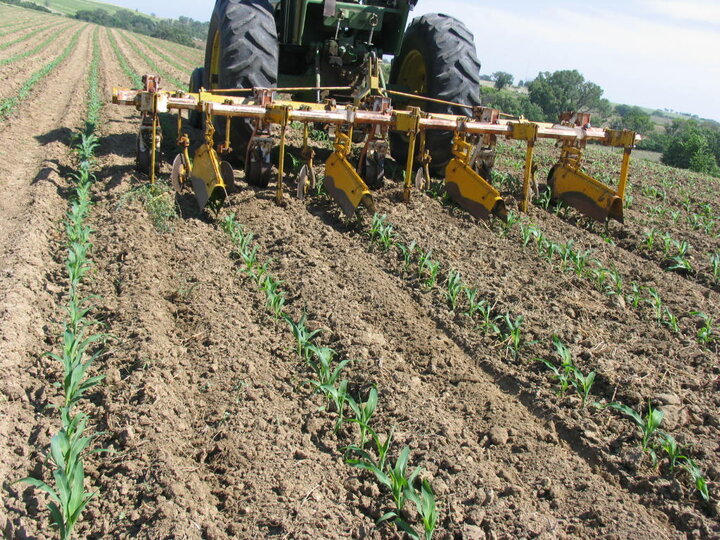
(247, 58)
(196, 82)
(452, 71)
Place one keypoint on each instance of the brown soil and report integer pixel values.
(214, 434)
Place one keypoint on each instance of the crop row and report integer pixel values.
(122, 60)
(507, 331)
(80, 341)
(371, 451)
(38, 48)
(151, 63)
(609, 281)
(27, 36)
(12, 31)
(8, 105)
(155, 49)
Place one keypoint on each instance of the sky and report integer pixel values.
(661, 54)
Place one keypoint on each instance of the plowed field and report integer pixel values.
(212, 428)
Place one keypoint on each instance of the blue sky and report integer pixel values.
(653, 53)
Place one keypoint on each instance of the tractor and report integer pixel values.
(329, 50)
(274, 65)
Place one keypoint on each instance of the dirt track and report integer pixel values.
(214, 433)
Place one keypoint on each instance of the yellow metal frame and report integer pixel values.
(414, 123)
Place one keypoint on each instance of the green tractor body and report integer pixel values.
(301, 46)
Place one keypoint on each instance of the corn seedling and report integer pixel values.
(671, 321)
(528, 232)
(68, 499)
(579, 261)
(511, 334)
(563, 372)
(697, 477)
(454, 287)
(680, 264)
(648, 424)
(673, 450)
(486, 320)
(715, 266)
(656, 303)
(275, 297)
(381, 232)
(407, 252)
(706, 333)
(634, 297)
(321, 361)
(363, 413)
(583, 384)
(650, 239)
(427, 508)
(303, 336)
(473, 301)
(338, 396)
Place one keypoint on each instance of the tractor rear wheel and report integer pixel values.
(437, 60)
(241, 52)
(196, 82)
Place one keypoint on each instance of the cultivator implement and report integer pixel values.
(371, 116)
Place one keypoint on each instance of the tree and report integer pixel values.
(502, 79)
(565, 91)
(511, 102)
(633, 118)
(692, 146)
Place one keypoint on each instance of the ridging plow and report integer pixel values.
(370, 117)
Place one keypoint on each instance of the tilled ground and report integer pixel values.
(214, 433)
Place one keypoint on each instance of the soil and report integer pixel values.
(212, 429)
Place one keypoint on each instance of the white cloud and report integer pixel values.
(705, 12)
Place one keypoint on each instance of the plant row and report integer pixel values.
(151, 63)
(610, 282)
(38, 48)
(676, 255)
(6, 32)
(26, 37)
(8, 105)
(170, 60)
(371, 451)
(80, 341)
(506, 330)
(122, 59)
